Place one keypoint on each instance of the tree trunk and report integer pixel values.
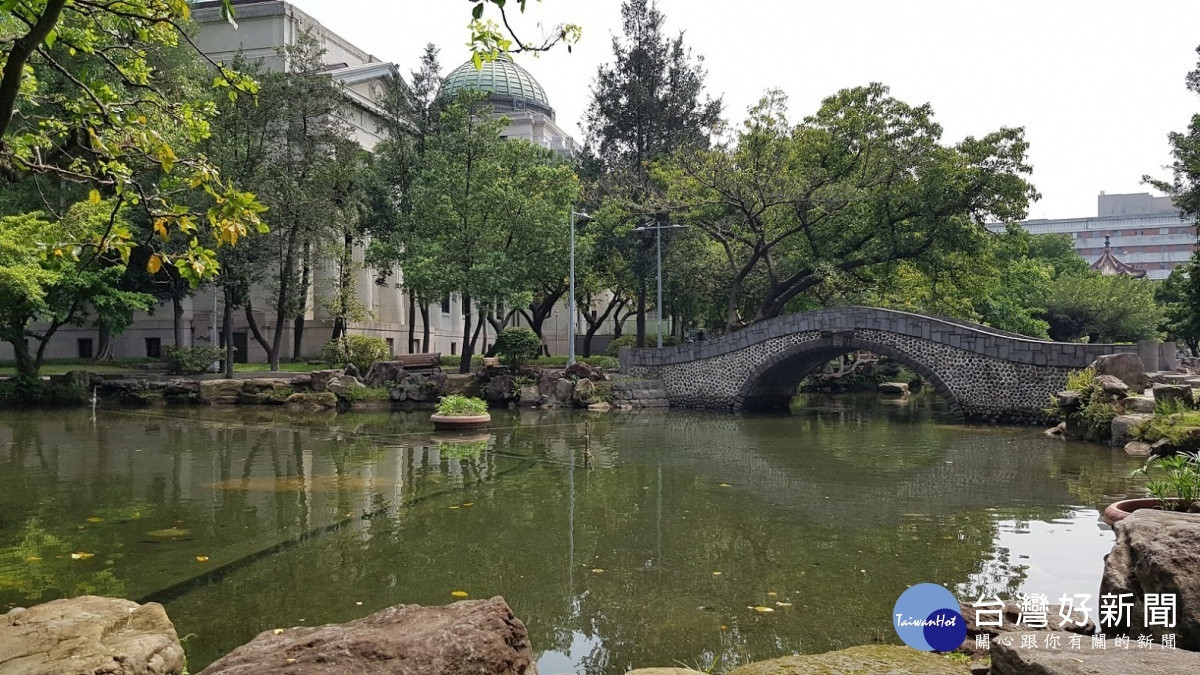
(412, 322)
(464, 364)
(177, 321)
(227, 332)
(425, 328)
(641, 314)
(26, 365)
(272, 355)
(298, 322)
(103, 344)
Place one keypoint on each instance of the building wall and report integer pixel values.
(1141, 231)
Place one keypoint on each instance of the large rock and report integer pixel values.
(1010, 614)
(1123, 426)
(1012, 659)
(422, 388)
(89, 635)
(384, 373)
(181, 391)
(1157, 552)
(900, 388)
(311, 400)
(529, 396)
(264, 391)
(584, 371)
(1125, 366)
(319, 379)
(1166, 393)
(1137, 449)
(584, 393)
(342, 384)
(220, 391)
(547, 380)
(469, 637)
(1069, 399)
(1136, 404)
(873, 659)
(500, 389)
(564, 389)
(1111, 384)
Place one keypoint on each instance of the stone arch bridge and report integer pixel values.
(983, 373)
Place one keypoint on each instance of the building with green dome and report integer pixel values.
(514, 93)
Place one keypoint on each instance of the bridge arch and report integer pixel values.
(983, 373)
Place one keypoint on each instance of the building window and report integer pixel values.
(453, 348)
(84, 346)
(446, 304)
(391, 346)
(154, 347)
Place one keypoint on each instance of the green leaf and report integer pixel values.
(477, 11)
(51, 37)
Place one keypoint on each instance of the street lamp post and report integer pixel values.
(571, 302)
(658, 252)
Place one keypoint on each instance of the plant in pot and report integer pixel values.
(456, 412)
(1174, 486)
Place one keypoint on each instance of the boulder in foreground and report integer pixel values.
(474, 637)
(1014, 660)
(89, 635)
(873, 659)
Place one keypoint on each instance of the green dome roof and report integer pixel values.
(508, 84)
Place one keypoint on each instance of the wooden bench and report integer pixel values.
(491, 362)
(416, 362)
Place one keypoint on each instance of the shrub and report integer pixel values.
(517, 346)
(631, 341)
(1179, 487)
(361, 350)
(455, 405)
(191, 360)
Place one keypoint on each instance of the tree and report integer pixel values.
(855, 189)
(648, 103)
(80, 102)
(1179, 296)
(1102, 309)
(481, 210)
(293, 149)
(43, 281)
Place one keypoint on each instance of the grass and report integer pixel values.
(455, 405)
(60, 366)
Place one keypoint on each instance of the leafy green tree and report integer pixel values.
(45, 285)
(1179, 295)
(852, 191)
(481, 211)
(1102, 309)
(81, 101)
(648, 103)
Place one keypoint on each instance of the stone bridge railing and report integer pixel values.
(982, 374)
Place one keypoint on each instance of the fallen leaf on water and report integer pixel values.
(33, 558)
(80, 555)
(772, 593)
(94, 519)
(724, 627)
(468, 503)
(763, 609)
(783, 604)
(455, 507)
(201, 558)
(459, 594)
(726, 485)
(359, 602)
(597, 570)
(168, 532)
(277, 631)
(716, 574)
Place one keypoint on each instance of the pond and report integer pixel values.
(621, 540)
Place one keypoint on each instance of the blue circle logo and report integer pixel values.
(926, 617)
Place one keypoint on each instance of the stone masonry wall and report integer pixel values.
(983, 375)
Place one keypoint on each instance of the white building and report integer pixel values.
(1146, 232)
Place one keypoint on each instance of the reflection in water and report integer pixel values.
(622, 541)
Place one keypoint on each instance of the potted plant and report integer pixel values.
(456, 412)
(1176, 487)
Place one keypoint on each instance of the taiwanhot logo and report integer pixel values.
(927, 617)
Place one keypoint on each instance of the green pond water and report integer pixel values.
(621, 540)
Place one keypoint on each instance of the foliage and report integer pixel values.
(84, 102)
(1081, 380)
(1096, 408)
(361, 350)
(1102, 309)
(841, 198)
(191, 360)
(367, 394)
(489, 40)
(456, 405)
(517, 346)
(631, 341)
(1179, 297)
(20, 391)
(1178, 488)
(43, 280)
(480, 214)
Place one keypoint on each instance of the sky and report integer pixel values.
(1097, 84)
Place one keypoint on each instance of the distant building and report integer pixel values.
(1141, 231)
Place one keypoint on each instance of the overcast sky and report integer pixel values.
(1097, 84)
